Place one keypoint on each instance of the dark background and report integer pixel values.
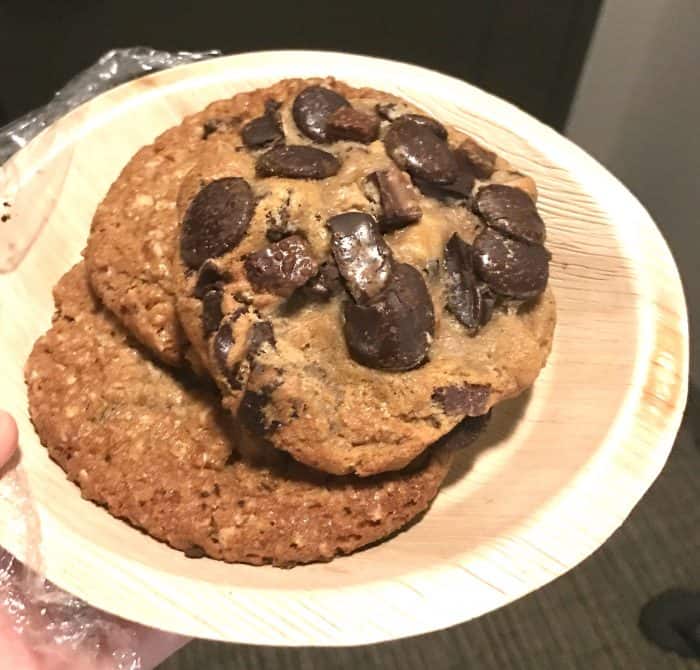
(527, 51)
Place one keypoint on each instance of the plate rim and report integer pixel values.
(312, 608)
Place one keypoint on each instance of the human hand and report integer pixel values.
(44, 628)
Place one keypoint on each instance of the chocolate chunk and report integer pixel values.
(223, 341)
(282, 266)
(211, 310)
(222, 344)
(394, 330)
(399, 202)
(391, 111)
(435, 126)
(511, 267)
(414, 147)
(326, 283)
(361, 254)
(465, 399)
(465, 432)
(252, 413)
(469, 299)
(480, 160)
(671, 620)
(311, 109)
(264, 130)
(195, 551)
(460, 188)
(297, 162)
(510, 211)
(209, 276)
(261, 333)
(346, 123)
(216, 220)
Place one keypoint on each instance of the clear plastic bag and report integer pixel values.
(60, 630)
(50, 622)
(114, 68)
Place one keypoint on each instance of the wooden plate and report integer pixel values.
(557, 473)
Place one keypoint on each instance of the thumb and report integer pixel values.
(8, 437)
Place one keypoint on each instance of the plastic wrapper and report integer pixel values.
(114, 68)
(61, 630)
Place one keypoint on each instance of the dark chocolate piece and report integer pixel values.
(511, 211)
(468, 298)
(511, 267)
(209, 276)
(297, 162)
(326, 283)
(211, 310)
(282, 266)
(399, 202)
(361, 254)
(430, 123)
(414, 147)
(216, 220)
(465, 399)
(346, 123)
(311, 109)
(265, 130)
(394, 330)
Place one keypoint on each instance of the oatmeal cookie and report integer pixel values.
(157, 450)
(357, 277)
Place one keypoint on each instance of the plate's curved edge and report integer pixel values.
(666, 367)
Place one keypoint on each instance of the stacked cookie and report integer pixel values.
(293, 308)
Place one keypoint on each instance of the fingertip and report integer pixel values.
(8, 437)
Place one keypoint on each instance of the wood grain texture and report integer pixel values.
(586, 620)
(558, 472)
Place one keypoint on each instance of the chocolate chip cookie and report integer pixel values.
(357, 277)
(157, 450)
(132, 238)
